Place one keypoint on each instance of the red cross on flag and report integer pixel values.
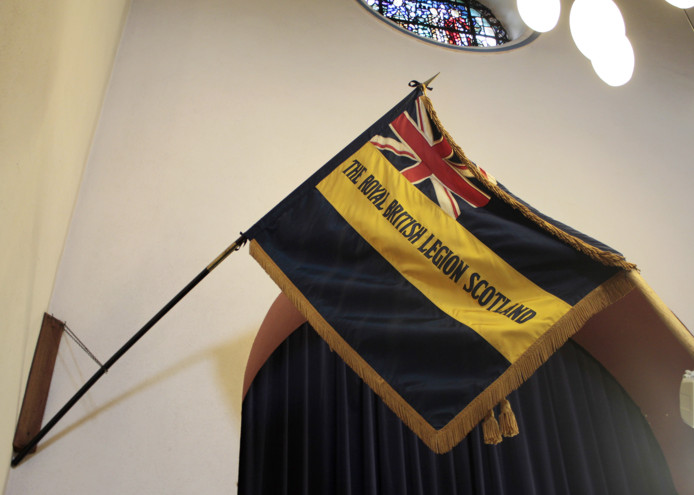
(433, 160)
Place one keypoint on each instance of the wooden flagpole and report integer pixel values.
(235, 246)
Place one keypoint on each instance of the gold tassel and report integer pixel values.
(490, 429)
(507, 420)
(443, 440)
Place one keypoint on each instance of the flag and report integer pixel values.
(440, 288)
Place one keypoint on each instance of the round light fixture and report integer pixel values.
(615, 63)
(682, 4)
(539, 15)
(594, 24)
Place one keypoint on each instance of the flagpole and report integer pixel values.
(235, 246)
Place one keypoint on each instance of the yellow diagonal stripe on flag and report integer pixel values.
(443, 260)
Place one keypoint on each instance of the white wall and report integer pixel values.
(55, 61)
(218, 109)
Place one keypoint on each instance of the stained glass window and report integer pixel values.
(451, 22)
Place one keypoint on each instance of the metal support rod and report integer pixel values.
(235, 246)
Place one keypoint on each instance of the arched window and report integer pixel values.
(463, 23)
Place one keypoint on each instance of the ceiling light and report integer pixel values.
(539, 15)
(615, 62)
(682, 4)
(593, 24)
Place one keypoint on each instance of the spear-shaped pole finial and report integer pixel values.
(424, 85)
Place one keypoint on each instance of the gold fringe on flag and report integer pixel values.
(605, 257)
(444, 439)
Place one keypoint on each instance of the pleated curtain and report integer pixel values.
(310, 426)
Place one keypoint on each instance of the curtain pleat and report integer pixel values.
(311, 427)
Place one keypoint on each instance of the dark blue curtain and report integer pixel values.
(311, 427)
